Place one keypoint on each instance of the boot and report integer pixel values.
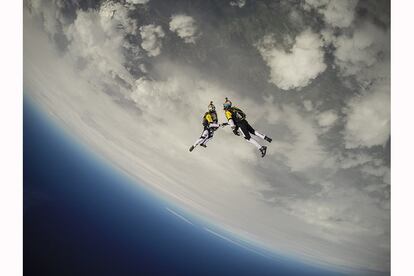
(263, 151)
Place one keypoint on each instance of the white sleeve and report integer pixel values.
(231, 123)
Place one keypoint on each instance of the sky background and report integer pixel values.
(132, 79)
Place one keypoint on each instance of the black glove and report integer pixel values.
(236, 132)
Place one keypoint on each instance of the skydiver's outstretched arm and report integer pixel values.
(231, 123)
(234, 127)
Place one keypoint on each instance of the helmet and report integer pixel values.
(211, 107)
(227, 104)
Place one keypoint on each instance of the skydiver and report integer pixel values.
(237, 121)
(210, 124)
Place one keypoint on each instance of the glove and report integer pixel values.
(236, 132)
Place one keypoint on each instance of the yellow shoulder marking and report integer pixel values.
(228, 115)
(208, 118)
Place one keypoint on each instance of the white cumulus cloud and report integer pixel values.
(185, 27)
(238, 3)
(358, 52)
(298, 66)
(151, 39)
(115, 14)
(368, 120)
(327, 118)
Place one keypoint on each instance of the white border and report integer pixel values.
(11, 138)
(402, 143)
(11, 172)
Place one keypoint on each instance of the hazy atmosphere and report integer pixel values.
(131, 79)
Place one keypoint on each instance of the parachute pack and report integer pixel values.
(237, 113)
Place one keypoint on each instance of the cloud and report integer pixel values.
(151, 39)
(97, 40)
(368, 118)
(90, 29)
(304, 141)
(327, 118)
(294, 69)
(238, 3)
(184, 26)
(332, 207)
(363, 56)
(114, 18)
(340, 13)
(52, 14)
(352, 159)
(308, 105)
(337, 13)
(357, 53)
(136, 2)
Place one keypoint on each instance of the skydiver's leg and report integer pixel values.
(244, 130)
(257, 134)
(254, 142)
(210, 136)
(262, 136)
(206, 141)
(204, 136)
